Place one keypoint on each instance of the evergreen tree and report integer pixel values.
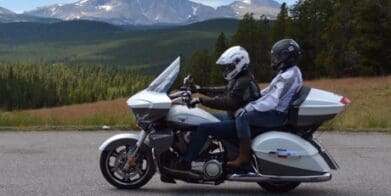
(336, 59)
(281, 27)
(199, 67)
(372, 37)
(216, 75)
(309, 19)
(248, 36)
(265, 72)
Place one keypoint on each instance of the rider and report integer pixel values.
(271, 109)
(241, 89)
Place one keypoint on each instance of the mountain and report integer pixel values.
(124, 12)
(97, 43)
(7, 16)
(269, 8)
(147, 12)
(65, 31)
(4, 11)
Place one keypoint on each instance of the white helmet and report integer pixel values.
(233, 61)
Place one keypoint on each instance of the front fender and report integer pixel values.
(123, 136)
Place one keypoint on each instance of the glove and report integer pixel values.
(240, 112)
(194, 88)
(194, 102)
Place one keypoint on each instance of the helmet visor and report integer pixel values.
(227, 68)
(275, 60)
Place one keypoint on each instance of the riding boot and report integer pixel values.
(244, 155)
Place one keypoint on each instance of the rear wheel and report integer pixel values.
(279, 187)
(112, 164)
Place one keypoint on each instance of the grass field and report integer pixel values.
(370, 109)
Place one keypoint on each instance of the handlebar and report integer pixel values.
(182, 97)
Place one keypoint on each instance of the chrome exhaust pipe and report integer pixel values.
(254, 177)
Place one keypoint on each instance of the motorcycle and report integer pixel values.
(282, 157)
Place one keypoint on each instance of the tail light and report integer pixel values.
(345, 101)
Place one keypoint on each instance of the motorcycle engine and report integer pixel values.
(212, 169)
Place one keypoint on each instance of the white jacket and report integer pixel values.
(278, 95)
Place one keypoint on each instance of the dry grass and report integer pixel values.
(101, 113)
(371, 102)
(370, 108)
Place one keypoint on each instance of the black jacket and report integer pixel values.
(239, 91)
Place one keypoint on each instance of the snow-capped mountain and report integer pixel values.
(125, 12)
(7, 16)
(268, 8)
(4, 11)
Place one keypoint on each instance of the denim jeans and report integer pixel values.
(225, 129)
(266, 120)
(222, 116)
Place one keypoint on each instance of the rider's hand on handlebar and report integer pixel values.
(194, 102)
(194, 88)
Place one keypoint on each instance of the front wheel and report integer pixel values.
(112, 164)
(279, 187)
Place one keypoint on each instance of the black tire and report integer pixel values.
(279, 187)
(146, 157)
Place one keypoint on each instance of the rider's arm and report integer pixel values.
(212, 91)
(231, 101)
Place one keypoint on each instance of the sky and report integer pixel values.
(24, 5)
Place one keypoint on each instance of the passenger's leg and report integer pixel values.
(243, 127)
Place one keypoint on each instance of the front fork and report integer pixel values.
(133, 151)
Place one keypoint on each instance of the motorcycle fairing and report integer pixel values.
(153, 103)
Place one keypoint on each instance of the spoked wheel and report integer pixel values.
(279, 187)
(112, 165)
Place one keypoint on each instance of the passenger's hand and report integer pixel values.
(240, 112)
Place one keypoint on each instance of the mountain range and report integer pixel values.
(7, 16)
(151, 12)
(81, 42)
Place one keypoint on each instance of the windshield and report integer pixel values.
(165, 80)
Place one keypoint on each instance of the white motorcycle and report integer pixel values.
(283, 157)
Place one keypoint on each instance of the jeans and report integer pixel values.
(268, 119)
(225, 129)
(222, 116)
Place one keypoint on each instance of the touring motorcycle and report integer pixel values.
(282, 157)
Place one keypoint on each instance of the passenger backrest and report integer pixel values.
(298, 99)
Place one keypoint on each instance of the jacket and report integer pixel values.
(239, 91)
(278, 95)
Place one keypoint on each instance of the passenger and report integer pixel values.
(272, 108)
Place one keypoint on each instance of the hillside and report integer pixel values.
(369, 109)
(87, 42)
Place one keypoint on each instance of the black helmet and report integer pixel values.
(285, 54)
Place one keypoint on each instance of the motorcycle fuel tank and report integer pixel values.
(183, 115)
